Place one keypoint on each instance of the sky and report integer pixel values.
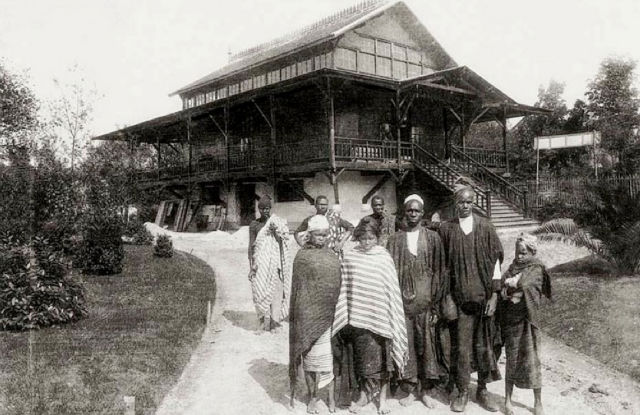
(135, 53)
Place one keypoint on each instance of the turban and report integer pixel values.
(460, 189)
(318, 223)
(529, 241)
(265, 201)
(414, 197)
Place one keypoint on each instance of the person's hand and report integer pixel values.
(491, 305)
(434, 318)
(252, 273)
(338, 246)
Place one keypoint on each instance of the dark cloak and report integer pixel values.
(424, 283)
(534, 282)
(487, 250)
(314, 293)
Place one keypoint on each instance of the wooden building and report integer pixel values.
(362, 102)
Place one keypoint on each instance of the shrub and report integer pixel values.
(163, 247)
(611, 219)
(35, 289)
(101, 249)
(136, 232)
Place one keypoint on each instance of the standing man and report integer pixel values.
(419, 259)
(339, 229)
(474, 255)
(386, 222)
(270, 272)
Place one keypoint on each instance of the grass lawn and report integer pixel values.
(142, 327)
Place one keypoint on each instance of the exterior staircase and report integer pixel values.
(505, 204)
(505, 216)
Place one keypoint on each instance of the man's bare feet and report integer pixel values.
(332, 407)
(408, 400)
(426, 400)
(383, 408)
(355, 407)
(312, 406)
(538, 410)
(508, 408)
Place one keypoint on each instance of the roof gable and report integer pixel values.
(323, 31)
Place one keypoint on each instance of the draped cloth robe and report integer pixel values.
(314, 293)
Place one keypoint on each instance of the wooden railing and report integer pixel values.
(488, 158)
(447, 176)
(352, 149)
(306, 151)
(490, 180)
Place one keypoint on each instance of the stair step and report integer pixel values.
(507, 220)
(525, 222)
(509, 215)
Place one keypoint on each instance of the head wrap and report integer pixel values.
(460, 189)
(529, 241)
(265, 201)
(318, 223)
(414, 197)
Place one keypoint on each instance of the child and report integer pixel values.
(521, 289)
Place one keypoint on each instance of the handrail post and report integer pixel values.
(525, 195)
(488, 194)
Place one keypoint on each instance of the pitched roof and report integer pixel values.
(319, 32)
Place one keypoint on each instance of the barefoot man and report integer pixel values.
(314, 294)
(270, 273)
(419, 258)
(474, 255)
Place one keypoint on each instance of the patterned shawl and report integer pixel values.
(370, 299)
(272, 260)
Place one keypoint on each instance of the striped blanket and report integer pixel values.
(370, 299)
(273, 262)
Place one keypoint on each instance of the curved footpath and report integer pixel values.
(237, 369)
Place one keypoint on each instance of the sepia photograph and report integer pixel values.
(314, 207)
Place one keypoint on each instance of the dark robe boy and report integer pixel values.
(474, 254)
(419, 258)
(386, 222)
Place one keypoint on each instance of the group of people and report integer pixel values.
(412, 311)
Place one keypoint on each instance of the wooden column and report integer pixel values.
(398, 124)
(503, 121)
(159, 156)
(462, 129)
(332, 142)
(447, 139)
(272, 117)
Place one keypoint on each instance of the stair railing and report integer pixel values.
(510, 193)
(448, 176)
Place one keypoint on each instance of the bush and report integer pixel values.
(37, 294)
(101, 249)
(137, 234)
(163, 247)
(557, 207)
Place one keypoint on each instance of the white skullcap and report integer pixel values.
(318, 223)
(414, 197)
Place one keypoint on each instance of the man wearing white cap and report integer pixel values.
(314, 294)
(474, 255)
(419, 258)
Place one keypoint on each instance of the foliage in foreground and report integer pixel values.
(142, 328)
(101, 249)
(137, 234)
(35, 289)
(163, 247)
(611, 222)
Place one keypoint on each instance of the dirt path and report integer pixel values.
(238, 369)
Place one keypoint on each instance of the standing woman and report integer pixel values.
(314, 293)
(521, 290)
(369, 315)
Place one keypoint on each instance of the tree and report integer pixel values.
(71, 114)
(523, 135)
(613, 103)
(18, 109)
